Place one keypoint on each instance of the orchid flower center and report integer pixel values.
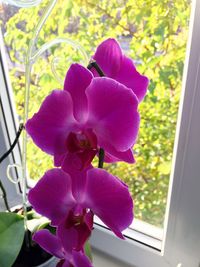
(83, 142)
(82, 219)
(75, 219)
(80, 141)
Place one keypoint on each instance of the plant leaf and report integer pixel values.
(35, 224)
(11, 237)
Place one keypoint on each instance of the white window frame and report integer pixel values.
(180, 246)
(8, 129)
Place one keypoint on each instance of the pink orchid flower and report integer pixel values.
(89, 114)
(116, 65)
(53, 245)
(70, 200)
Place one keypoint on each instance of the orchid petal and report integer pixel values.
(79, 179)
(52, 195)
(59, 159)
(49, 242)
(109, 56)
(77, 80)
(109, 199)
(50, 126)
(71, 160)
(129, 76)
(115, 156)
(113, 114)
(81, 260)
(115, 65)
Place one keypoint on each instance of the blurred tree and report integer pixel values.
(154, 34)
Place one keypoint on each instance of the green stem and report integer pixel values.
(4, 196)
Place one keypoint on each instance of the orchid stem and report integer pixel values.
(94, 65)
(4, 196)
(21, 127)
(101, 158)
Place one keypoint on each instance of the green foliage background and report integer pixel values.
(154, 34)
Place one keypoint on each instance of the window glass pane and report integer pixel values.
(153, 34)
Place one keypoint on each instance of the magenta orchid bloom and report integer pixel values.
(70, 200)
(89, 114)
(117, 66)
(53, 245)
